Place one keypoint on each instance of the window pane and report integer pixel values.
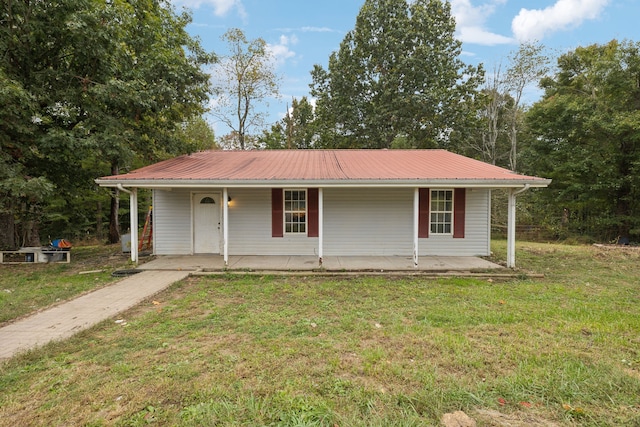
(441, 211)
(295, 214)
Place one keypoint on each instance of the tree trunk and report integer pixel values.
(114, 223)
(99, 231)
(7, 231)
(31, 233)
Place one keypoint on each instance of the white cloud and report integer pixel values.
(470, 22)
(318, 30)
(534, 24)
(220, 7)
(281, 51)
(309, 30)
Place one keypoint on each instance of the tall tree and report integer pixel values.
(102, 84)
(197, 132)
(587, 129)
(244, 79)
(528, 65)
(397, 76)
(295, 130)
(489, 143)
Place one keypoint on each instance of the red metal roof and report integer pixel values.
(335, 166)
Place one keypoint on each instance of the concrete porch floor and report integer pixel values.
(212, 263)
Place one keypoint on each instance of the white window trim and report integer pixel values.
(451, 212)
(306, 212)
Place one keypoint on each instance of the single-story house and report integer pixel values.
(323, 203)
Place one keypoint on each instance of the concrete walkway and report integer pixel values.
(71, 317)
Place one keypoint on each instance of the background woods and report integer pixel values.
(91, 88)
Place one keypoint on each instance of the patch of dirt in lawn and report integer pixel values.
(492, 418)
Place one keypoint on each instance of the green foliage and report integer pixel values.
(296, 130)
(244, 78)
(489, 142)
(587, 139)
(198, 134)
(396, 75)
(501, 126)
(88, 87)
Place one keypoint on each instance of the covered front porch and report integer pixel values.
(268, 263)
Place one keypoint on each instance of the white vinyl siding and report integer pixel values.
(250, 227)
(476, 241)
(172, 222)
(357, 222)
(368, 221)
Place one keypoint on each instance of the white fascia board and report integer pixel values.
(445, 183)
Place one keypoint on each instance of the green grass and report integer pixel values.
(25, 288)
(252, 350)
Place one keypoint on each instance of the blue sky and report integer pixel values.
(301, 33)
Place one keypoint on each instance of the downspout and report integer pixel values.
(320, 226)
(511, 226)
(416, 221)
(225, 226)
(133, 220)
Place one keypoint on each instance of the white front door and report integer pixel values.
(206, 223)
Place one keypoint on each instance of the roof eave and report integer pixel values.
(441, 183)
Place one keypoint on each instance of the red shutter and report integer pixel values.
(277, 219)
(459, 199)
(423, 212)
(312, 212)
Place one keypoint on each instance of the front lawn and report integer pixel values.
(252, 350)
(25, 288)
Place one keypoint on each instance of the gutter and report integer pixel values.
(522, 190)
(445, 183)
(121, 188)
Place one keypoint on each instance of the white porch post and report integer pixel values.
(511, 225)
(320, 226)
(133, 219)
(416, 216)
(225, 226)
(133, 215)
